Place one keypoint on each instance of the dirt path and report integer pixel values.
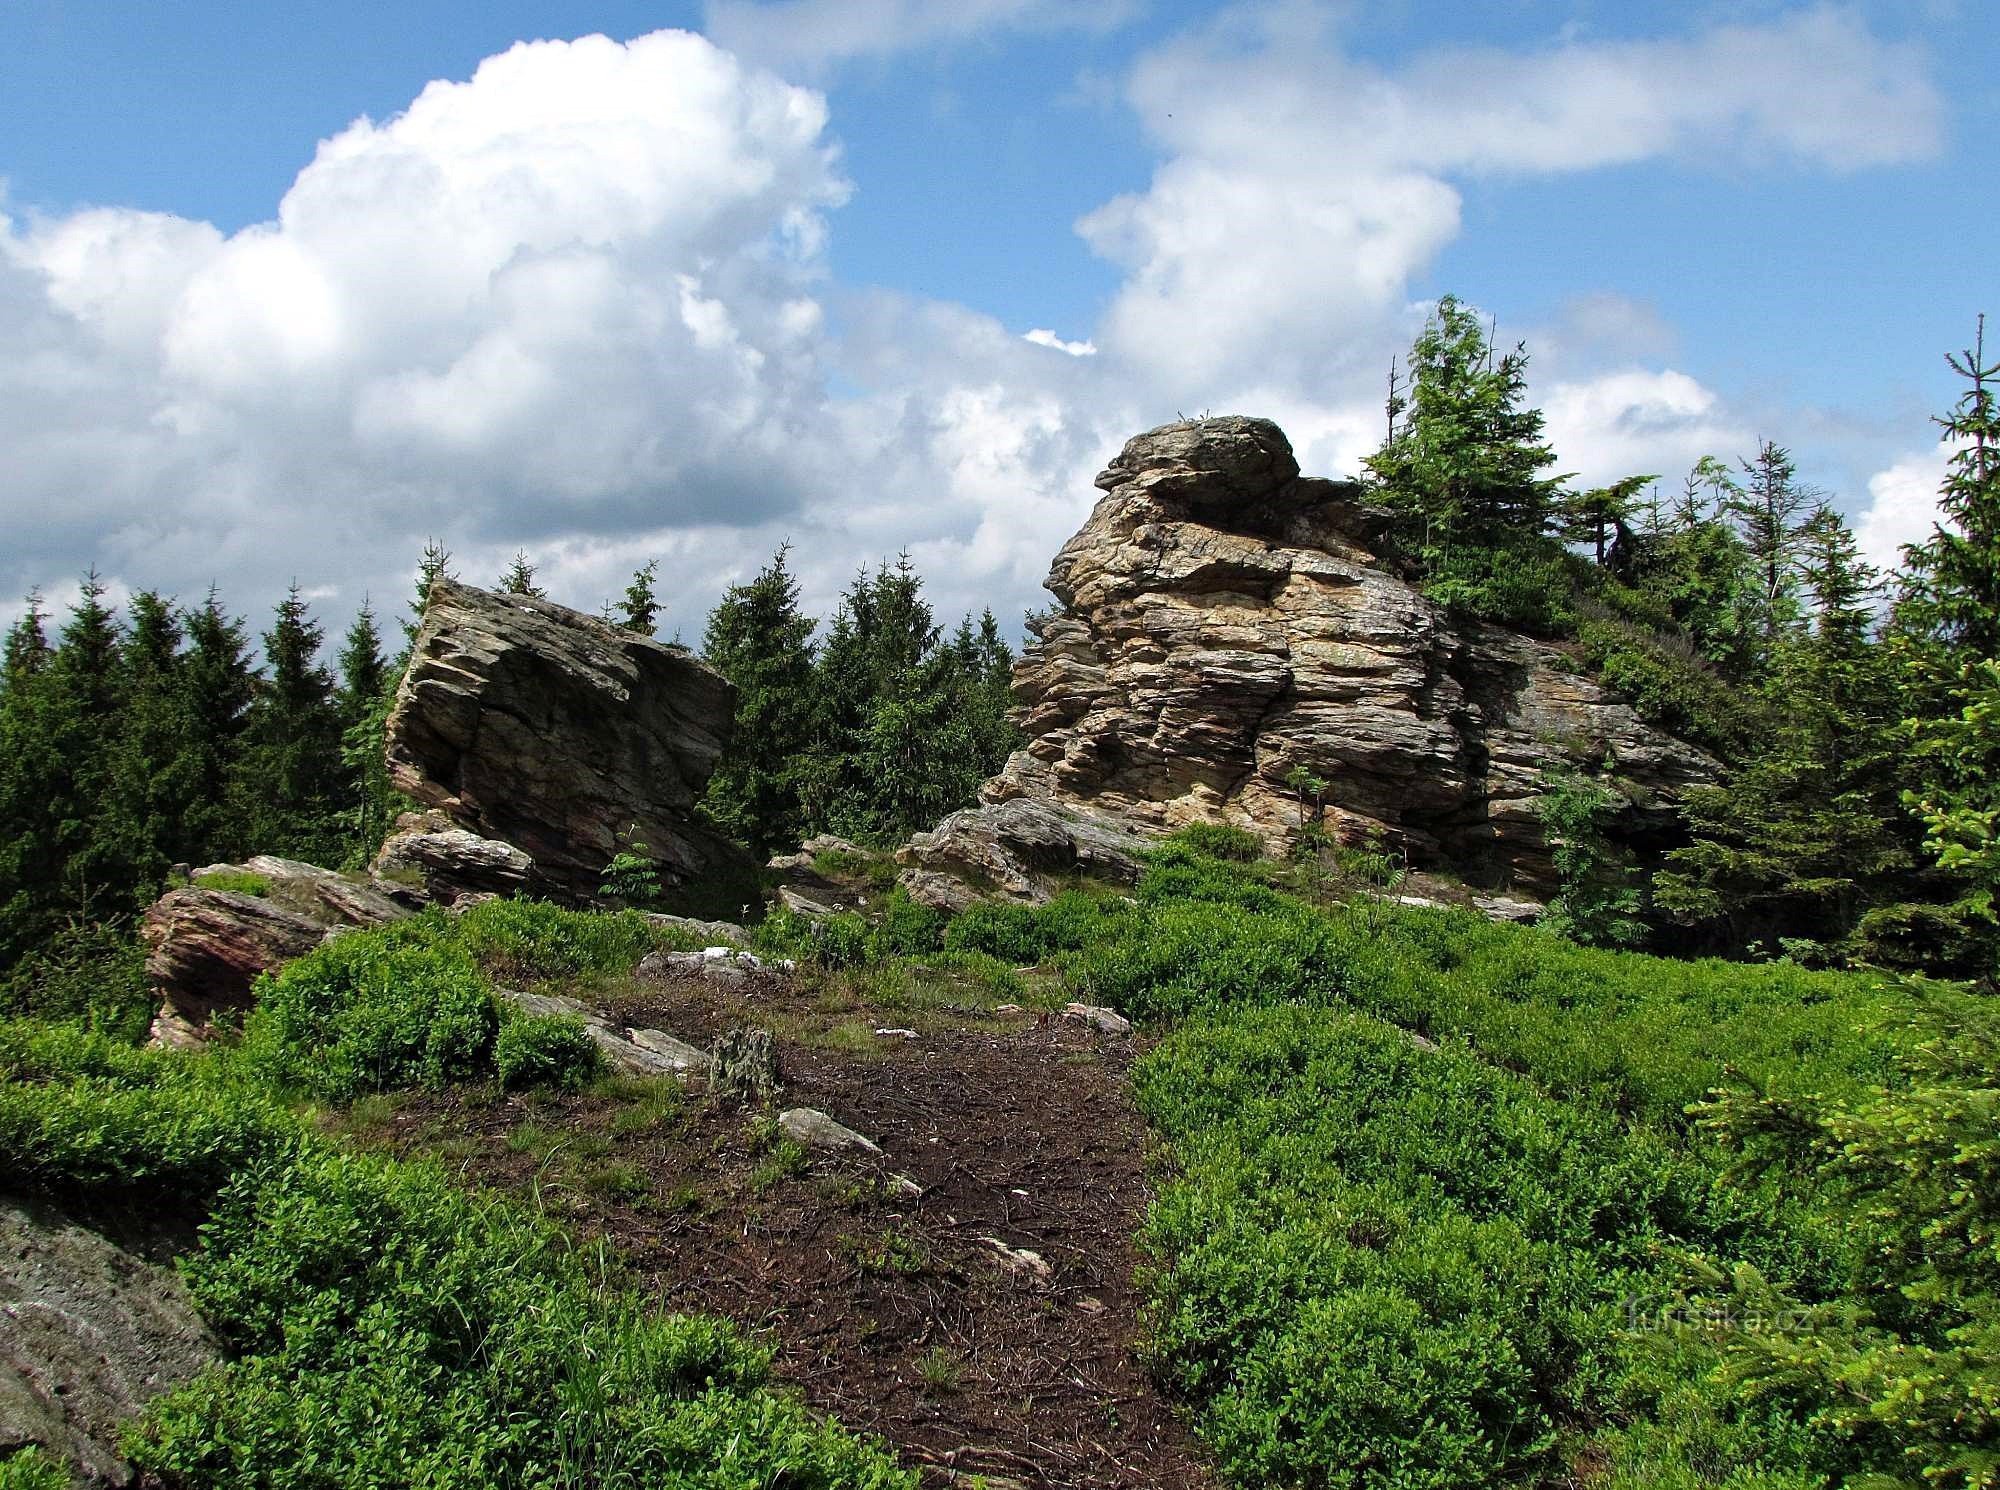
(916, 1319)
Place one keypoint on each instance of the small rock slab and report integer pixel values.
(814, 1129)
(1018, 1260)
(659, 1054)
(686, 1058)
(1510, 908)
(1105, 1021)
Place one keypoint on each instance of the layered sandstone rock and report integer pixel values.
(205, 946)
(1224, 621)
(540, 727)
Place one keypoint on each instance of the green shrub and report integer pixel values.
(1220, 841)
(1667, 684)
(529, 941)
(388, 1329)
(88, 970)
(905, 928)
(826, 942)
(368, 1011)
(235, 881)
(546, 1050)
(32, 1469)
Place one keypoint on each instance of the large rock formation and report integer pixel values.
(549, 730)
(1224, 621)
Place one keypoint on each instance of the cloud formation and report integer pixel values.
(1303, 189)
(1902, 507)
(578, 291)
(579, 303)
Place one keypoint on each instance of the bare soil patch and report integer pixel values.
(917, 1319)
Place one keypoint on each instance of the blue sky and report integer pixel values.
(688, 300)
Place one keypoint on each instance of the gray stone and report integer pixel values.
(1020, 848)
(1105, 1021)
(1509, 908)
(427, 859)
(684, 1057)
(90, 1332)
(568, 738)
(814, 1129)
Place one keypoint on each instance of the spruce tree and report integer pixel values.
(219, 684)
(288, 785)
(1467, 458)
(433, 565)
(760, 640)
(520, 578)
(1766, 509)
(640, 608)
(1948, 640)
(367, 694)
(27, 647)
(1799, 839)
(153, 781)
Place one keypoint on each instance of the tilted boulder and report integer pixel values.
(1225, 621)
(206, 946)
(565, 737)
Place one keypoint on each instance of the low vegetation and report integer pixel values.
(382, 1326)
(1447, 1207)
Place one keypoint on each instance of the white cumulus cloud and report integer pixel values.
(1302, 189)
(1902, 507)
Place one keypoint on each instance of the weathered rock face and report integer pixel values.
(540, 727)
(89, 1333)
(425, 859)
(206, 947)
(1225, 620)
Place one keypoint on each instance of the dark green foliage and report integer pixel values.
(826, 942)
(92, 971)
(1597, 902)
(373, 1010)
(382, 1328)
(82, 1111)
(1909, 1368)
(288, 790)
(905, 928)
(1666, 683)
(1466, 461)
(529, 941)
(640, 607)
(1025, 935)
(1220, 841)
(1386, 1265)
(520, 578)
(545, 1050)
(761, 641)
(392, 1331)
(910, 723)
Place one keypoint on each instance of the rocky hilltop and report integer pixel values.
(1224, 620)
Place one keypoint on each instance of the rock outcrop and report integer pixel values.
(205, 946)
(90, 1332)
(1225, 620)
(568, 739)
